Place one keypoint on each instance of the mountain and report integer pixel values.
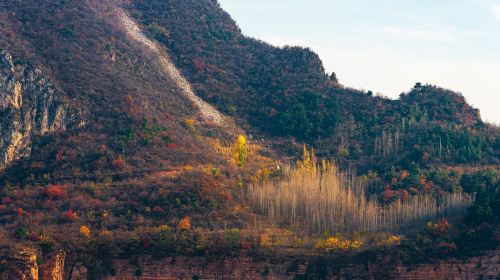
(285, 92)
(108, 86)
(119, 125)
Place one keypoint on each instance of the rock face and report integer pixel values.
(482, 267)
(30, 105)
(53, 267)
(23, 265)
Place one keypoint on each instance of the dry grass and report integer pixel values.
(317, 199)
(226, 149)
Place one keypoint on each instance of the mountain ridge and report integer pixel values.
(168, 113)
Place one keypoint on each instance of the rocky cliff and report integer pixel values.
(480, 267)
(30, 105)
(27, 264)
(21, 264)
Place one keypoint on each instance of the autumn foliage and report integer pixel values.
(336, 243)
(315, 197)
(136, 173)
(55, 192)
(85, 231)
(184, 224)
(240, 150)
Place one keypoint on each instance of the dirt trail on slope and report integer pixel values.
(207, 113)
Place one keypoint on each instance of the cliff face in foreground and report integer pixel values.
(483, 267)
(26, 265)
(30, 105)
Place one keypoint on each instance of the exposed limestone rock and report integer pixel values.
(30, 105)
(23, 265)
(58, 268)
(33, 268)
(17, 101)
(481, 267)
(207, 112)
(53, 267)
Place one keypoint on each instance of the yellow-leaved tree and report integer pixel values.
(309, 163)
(240, 150)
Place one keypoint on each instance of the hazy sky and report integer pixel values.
(388, 45)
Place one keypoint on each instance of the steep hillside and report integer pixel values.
(251, 80)
(126, 89)
(99, 129)
(285, 92)
(232, 70)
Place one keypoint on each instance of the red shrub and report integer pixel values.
(55, 192)
(172, 146)
(387, 195)
(60, 156)
(441, 228)
(226, 196)
(7, 200)
(118, 163)
(69, 215)
(426, 156)
(20, 212)
(403, 194)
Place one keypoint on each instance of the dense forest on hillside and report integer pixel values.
(286, 92)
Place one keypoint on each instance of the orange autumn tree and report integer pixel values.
(85, 231)
(184, 224)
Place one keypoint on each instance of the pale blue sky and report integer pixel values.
(388, 45)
